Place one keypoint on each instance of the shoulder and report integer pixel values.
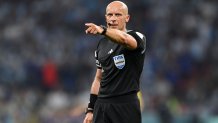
(140, 39)
(137, 35)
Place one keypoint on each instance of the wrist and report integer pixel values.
(92, 100)
(88, 110)
(104, 30)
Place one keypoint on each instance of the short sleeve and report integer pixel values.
(141, 41)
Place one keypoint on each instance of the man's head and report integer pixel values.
(117, 15)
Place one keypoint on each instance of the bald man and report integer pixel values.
(119, 60)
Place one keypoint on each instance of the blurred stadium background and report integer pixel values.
(47, 62)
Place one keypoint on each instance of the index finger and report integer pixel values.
(89, 24)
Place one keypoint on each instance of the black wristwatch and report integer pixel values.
(104, 29)
(87, 110)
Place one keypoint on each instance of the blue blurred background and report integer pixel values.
(47, 62)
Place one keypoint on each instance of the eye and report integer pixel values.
(118, 14)
(109, 14)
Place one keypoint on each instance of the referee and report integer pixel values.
(119, 59)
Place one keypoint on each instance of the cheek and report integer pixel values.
(122, 21)
(107, 19)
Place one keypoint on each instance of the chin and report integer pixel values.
(113, 27)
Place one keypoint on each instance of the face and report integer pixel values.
(117, 16)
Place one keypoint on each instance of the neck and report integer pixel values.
(124, 29)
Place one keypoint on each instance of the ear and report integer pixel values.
(105, 17)
(127, 18)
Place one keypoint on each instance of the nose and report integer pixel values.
(113, 18)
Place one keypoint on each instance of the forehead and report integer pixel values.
(116, 8)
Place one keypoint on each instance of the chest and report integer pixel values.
(108, 49)
(111, 54)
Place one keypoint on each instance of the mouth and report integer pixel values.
(112, 25)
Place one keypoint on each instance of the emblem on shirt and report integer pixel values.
(119, 61)
(111, 51)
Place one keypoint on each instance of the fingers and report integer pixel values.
(88, 30)
(87, 120)
(92, 28)
(89, 24)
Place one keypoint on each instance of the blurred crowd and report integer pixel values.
(47, 61)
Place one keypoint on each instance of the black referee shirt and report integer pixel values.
(121, 68)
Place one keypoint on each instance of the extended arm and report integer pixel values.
(115, 35)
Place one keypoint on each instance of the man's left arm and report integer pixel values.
(115, 35)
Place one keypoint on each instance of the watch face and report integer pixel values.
(104, 29)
